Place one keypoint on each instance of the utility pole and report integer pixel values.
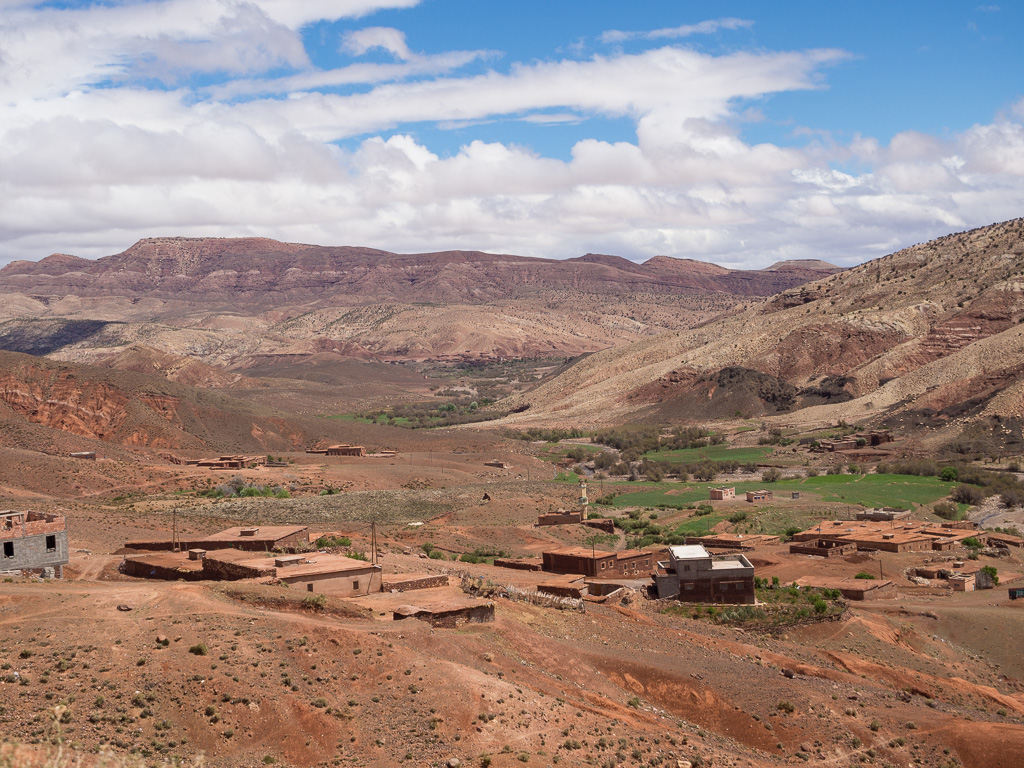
(175, 543)
(373, 542)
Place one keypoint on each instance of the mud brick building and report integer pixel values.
(561, 517)
(252, 538)
(827, 548)
(721, 494)
(450, 614)
(852, 589)
(734, 540)
(894, 536)
(321, 573)
(691, 574)
(33, 542)
(600, 565)
(346, 450)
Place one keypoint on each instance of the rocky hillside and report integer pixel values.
(53, 407)
(930, 334)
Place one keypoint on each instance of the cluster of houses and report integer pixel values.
(689, 573)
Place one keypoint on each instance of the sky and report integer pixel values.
(742, 133)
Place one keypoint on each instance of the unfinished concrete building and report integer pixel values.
(33, 542)
(692, 575)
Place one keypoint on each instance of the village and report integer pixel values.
(439, 546)
(873, 554)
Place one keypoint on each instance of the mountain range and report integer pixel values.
(237, 303)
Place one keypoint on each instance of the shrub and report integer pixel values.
(199, 649)
(990, 571)
(947, 511)
(314, 602)
(863, 575)
(972, 542)
(949, 474)
(324, 542)
(785, 706)
(967, 494)
(771, 475)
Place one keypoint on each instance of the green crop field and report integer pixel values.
(351, 417)
(699, 526)
(721, 452)
(867, 490)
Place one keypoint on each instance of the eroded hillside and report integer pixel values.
(932, 329)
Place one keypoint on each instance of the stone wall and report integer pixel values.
(395, 583)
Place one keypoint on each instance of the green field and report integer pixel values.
(699, 526)
(866, 490)
(720, 452)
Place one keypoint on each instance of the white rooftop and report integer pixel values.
(689, 552)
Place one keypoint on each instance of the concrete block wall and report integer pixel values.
(30, 553)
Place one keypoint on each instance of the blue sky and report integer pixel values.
(742, 133)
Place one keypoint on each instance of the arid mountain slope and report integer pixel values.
(54, 407)
(933, 328)
(242, 302)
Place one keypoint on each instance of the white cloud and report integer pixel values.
(359, 41)
(687, 30)
(94, 156)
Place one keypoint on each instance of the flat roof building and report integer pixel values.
(261, 538)
(321, 573)
(691, 574)
(600, 565)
